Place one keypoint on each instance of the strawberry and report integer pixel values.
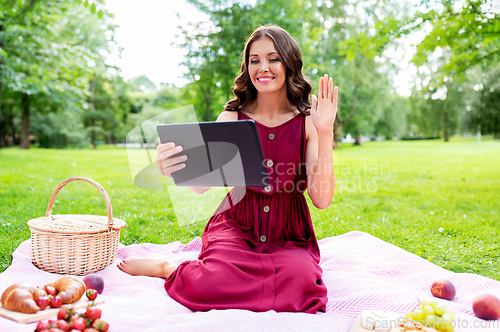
(100, 325)
(63, 325)
(42, 325)
(42, 302)
(91, 294)
(78, 324)
(93, 313)
(56, 302)
(50, 290)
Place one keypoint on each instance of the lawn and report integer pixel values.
(435, 199)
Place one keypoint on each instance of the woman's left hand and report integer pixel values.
(324, 107)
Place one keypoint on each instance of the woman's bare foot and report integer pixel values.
(150, 267)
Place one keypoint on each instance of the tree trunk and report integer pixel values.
(445, 125)
(25, 122)
(92, 109)
(358, 138)
(337, 134)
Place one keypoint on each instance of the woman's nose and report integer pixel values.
(264, 66)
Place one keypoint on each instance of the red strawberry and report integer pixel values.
(100, 325)
(90, 329)
(93, 313)
(42, 325)
(56, 302)
(63, 325)
(50, 290)
(91, 294)
(78, 324)
(42, 302)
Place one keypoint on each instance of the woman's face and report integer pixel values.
(265, 66)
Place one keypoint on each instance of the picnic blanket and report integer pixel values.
(361, 272)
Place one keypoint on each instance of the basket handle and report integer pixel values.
(92, 182)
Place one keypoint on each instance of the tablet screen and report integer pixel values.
(220, 154)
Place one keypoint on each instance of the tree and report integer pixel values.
(458, 37)
(485, 115)
(49, 52)
(215, 47)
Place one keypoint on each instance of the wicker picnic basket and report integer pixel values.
(72, 243)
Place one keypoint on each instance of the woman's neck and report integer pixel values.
(271, 105)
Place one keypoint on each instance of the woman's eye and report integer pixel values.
(273, 60)
(254, 61)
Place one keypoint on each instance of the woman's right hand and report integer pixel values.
(168, 165)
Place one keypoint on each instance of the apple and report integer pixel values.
(486, 306)
(443, 289)
(93, 281)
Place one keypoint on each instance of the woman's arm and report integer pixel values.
(319, 150)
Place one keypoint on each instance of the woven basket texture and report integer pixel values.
(75, 244)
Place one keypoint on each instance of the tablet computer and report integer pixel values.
(219, 154)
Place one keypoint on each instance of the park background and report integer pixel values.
(421, 171)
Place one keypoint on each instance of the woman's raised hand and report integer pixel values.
(168, 165)
(324, 107)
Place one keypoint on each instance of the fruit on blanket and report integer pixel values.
(93, 313)
(69, 288)
(70, 320)
(432, 314)
(486, 306)
(56, 302)
(93, 281)
(443, 289)
(19, 297)
(42, 302)
(62, 324)
(42, 325)
(65, 313)
(78, 324)
(91, 294)
(100, 325)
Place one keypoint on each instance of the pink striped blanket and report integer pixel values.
(361, 272)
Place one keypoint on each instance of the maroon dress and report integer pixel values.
(260, 253)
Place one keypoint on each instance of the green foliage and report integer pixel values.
(485, 115)
(51, 50)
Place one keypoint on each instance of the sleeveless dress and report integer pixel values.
(260, 253)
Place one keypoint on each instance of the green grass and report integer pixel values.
(435, 199)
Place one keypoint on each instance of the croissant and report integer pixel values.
(19, 297)
(69, 288)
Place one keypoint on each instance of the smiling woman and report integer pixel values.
(261, 253)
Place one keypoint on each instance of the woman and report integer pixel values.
(261, 253)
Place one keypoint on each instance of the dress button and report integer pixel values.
(269, 163)
(266, 208)
(271, 136)
(263, 238)
(267, 189)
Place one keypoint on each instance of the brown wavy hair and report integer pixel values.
(298, 88)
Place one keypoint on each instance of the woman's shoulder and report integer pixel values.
(228, 116)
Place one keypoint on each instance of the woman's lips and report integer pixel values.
(265, 79)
